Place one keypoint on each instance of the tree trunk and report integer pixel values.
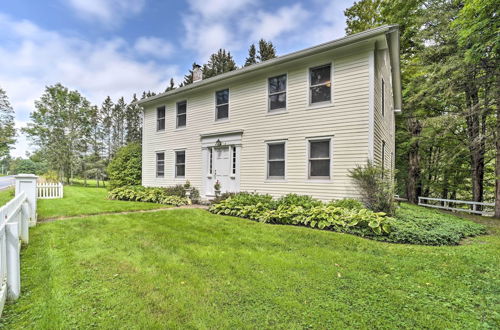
(413, 186)
(476, 125)
(497, 161)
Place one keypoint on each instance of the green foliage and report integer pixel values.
(51, 176)
(147, 194)
(417, 225)
(251, 58)
(180, 191)
(219, 63)
(125, 168)
(348, 203)
(375, 186)
(21, 165)
(267, 50)
(293, 209)
(7, 130)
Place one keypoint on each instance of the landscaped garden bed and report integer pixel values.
(410, 224)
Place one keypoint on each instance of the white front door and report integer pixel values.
(222, 165)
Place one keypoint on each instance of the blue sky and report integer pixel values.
(121, 47)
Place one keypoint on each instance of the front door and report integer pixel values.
(222, 164)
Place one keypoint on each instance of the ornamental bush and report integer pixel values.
(305, 211)
(147, 194)
(125, 168)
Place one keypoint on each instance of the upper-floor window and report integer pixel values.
(180, 163)
(276, 160)
(160, 118)
(319, 159)
(160, 164)
(383, 97)
(181, 114)
(277, 93)
(222, 104)
(320, 84)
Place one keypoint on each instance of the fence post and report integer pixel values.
(27, 183)
(24, 220)
(13, 261)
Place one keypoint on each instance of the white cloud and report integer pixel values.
(108, 12)
(153, 46)
(31, 58)
(271, 25)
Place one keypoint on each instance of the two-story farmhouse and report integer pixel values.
(294, 124)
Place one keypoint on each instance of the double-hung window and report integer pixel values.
(277, 93)
(320, 84)
(319, 158)
(222, 104)
(160, 164)
(180, 164)
(160, 118)
(276, 160)
(181, 114)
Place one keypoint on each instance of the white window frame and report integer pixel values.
(177, 114)
(274, 178)
(309, 86)
(382, 152)
(156, 163)
(279, 110)
(175, 163)
(217, 105)
(308, 146)
(234, 160)
(210, 161)
(164, 118)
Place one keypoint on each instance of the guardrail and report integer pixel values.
(49, 190)
(15, 219)
(454, 205)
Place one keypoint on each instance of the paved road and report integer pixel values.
(6, 181)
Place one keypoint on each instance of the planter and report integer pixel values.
(217, 193)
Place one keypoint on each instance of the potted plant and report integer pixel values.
(217, 187)
(187, 188)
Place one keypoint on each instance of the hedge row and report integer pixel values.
(147, 194)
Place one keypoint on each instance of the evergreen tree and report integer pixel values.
(218, 63)
(133, 119)
(106, 117)
(171, 85)
(7, 130)
(267, 50)
(188, 79)
(251, 58)
(118, 128)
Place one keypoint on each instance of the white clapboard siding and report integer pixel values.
(347, 120)
(49, 190)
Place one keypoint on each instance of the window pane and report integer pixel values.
(320, 75)
(181, 120)
(320, 149)
(181, 107)
(222, 111)
(277, 84)
(160, 156)
(321, 93)
(277, 101)
(161, 124)
(160, 112)
(277, 169)
(319, 168)
(180, 157)
(276, 151)
(222, 97)
(180, 170)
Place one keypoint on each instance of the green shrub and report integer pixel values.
(222, 197)
(147, 194)
(125, 168)
(298, 200)
(348, 203)
(180, 191)
(306, 212)
(418, 225)
(376, 187)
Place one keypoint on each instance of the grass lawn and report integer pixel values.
(6, 195)
(87, 200)
(187, 268)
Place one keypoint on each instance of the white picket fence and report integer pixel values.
(457, 205)
(15, 219)
(49, 190)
